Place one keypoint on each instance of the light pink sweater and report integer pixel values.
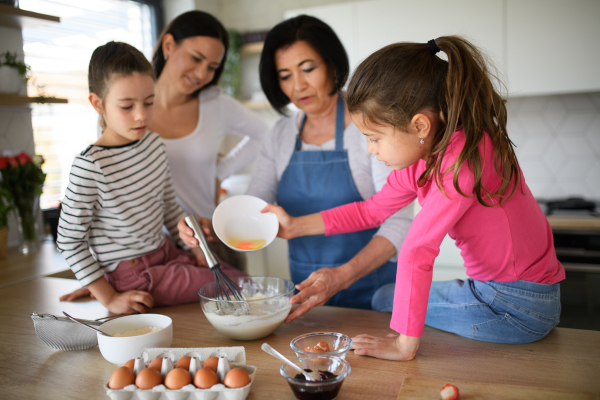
(504, 243)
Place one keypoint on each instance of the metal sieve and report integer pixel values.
(63, 334)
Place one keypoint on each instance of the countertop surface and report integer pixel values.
(571, 222)
(15, 267)
(566, 359)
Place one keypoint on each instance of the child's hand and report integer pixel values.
(391, 347)
(81, 292)
(187, 235)
(130, 302)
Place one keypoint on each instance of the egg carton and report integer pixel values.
(236, 356)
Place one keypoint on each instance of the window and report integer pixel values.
(59, 55)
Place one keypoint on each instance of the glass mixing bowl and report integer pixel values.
(267, 306)
(339, 344)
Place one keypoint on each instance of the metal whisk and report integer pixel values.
(225, 288)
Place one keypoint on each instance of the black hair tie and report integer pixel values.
(433, 47)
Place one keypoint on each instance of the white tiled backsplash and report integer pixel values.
(558, 143)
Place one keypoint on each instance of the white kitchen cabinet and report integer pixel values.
(552, 46)
(366, 26)
(382, 22)
(539, 47)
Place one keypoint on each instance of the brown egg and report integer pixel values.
(211, 362)
(184, 362)
(205, 378)
(148, 378)
(122, 377)
(177, 378)
(236, 378)
(156, 364)
(129, 364)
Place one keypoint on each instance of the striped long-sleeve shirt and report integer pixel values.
(115, 206)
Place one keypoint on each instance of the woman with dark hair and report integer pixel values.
(315, 159)
(193, 115)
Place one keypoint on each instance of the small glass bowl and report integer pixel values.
(339, 344)
(317, 390)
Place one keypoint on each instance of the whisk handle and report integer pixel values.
(211, 260)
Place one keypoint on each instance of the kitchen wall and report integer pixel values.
(558, 143)
(255, 15)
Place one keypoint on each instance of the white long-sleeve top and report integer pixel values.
(115, 205)
(368, 173)
(193, 158)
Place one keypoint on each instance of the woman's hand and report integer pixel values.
(81, 292)
(130, 302)
(319, 287)
(286, 222)
(187, 234)
(390, 347)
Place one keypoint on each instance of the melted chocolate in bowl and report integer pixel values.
(326, 392)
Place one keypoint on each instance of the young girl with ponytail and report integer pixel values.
(442, 126)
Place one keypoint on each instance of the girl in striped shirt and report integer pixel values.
(120, 195)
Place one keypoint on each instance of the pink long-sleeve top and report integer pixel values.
(503, 243)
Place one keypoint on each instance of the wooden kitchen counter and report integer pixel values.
(566, 359)
(15, 267)
(574, 223)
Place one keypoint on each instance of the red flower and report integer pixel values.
(3, 162)
(13, 161)
(23, 158)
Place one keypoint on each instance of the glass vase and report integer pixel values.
(27, 218)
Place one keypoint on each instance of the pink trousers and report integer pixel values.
(169, 274)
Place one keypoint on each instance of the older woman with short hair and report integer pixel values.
(315, 159)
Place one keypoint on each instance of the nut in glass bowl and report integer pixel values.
(321, 343)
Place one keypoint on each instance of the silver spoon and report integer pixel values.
(84, 324)
(311, 376)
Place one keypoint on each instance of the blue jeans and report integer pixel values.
(498, 312)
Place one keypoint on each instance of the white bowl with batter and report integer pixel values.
(139, 332)
(267, 306)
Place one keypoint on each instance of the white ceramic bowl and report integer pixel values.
(119, 350)
(238, 218)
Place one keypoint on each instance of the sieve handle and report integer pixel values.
(84, 324)
(211, 260)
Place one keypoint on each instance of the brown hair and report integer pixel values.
(114, 59)
(400, 80)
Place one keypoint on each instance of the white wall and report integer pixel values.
(173, 8)
(257, 15)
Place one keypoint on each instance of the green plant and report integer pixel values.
(10, 60)
(230, 79)
(5, 206)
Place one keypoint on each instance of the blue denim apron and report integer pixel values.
(318, 180)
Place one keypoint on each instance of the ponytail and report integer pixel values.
(400, 80)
